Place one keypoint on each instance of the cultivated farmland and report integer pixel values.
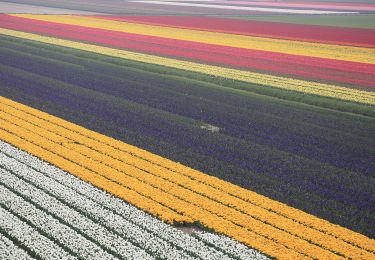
(187, 130)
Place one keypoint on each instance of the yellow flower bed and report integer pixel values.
(347, 53)
(176, 193)
(307, 87)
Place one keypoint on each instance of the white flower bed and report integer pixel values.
(103, 216)
(29, 237)
(98, 233)
(8, 250)
(157, 237)
(51, 226)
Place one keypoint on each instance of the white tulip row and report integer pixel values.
(229, 245)
(157, 237)
(92, 201)
(96, 232)
(49, 225)
(41, 246)
(8, 250)
(101, 215)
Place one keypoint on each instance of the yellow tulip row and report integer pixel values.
(348, 53)
(156, 178)
(307, 87)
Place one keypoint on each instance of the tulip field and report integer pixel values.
(173, 129)
(95, 225)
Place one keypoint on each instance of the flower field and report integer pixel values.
(172, 192)
(186, 137)
(45, 195)
(347, 65)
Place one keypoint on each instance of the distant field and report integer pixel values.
(212, 7)
(206, 129)
(352, 21)
(31, 9)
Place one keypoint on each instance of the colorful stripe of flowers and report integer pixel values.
(300, 32)
(347, 53)
(344, 72)
(176, 193)
(314, 88)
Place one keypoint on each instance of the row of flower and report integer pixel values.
(347, 53)
(308, 87)
(302, 32)
(356, 74)
(28, 204)
(194, 202)
(26, 236)
(87, 222)
(9, 250)
(129, 41)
